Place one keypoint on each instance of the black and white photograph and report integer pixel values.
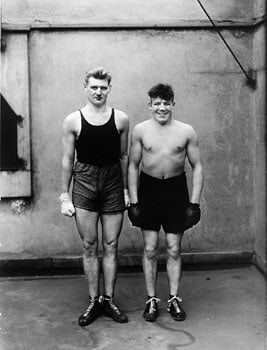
(133, 175)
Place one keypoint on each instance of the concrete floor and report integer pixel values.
(226, 310)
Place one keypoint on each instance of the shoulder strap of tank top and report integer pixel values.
(83, 120)
(112, 117)
(112, 120)
(82, 117)
(112, 114)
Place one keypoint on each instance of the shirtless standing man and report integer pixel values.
(98, 135)
(159, 194)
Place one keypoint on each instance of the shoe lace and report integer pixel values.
(91, 305)
(174, 300)
(153, 301)
(114, 307)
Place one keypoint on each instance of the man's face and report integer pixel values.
(97, 91)
(161, 109)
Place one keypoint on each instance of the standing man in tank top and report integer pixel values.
(98, 136)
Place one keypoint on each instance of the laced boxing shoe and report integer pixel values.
(91, 313)
(151, 311)
(111, 310)
(175, 309)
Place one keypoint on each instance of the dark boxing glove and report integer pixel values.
(192, 215)
(134, 214)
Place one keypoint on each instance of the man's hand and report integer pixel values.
(126, 198)
(67, 207)
(134, 214)
(192, 215)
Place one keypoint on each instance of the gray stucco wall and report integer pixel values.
(211, 94)
(41, 13)
(259, 54)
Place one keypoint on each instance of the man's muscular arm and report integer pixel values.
(124, 155)
(67, 207)
(194, 159)
(133, 176)
(134, 162)
(193, 154)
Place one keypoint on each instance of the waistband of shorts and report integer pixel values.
(156, 180)
(91, 166)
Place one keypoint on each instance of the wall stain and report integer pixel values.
(191, 339)
(18, 206)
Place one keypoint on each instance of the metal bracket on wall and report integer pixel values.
(251, 74)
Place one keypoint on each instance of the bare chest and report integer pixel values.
(167, 143)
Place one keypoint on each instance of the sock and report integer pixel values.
(107, 297)
(148, 297)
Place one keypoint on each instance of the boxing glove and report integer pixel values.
(134, 214)
(67, 208)
(192, 215)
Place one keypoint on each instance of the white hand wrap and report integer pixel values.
(126, 198)
(67, 207)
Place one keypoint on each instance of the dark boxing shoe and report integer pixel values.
(175, 309)
(91, 313)
(151, 311)
(111, 310)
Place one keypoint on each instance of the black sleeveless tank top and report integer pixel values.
(98, 145)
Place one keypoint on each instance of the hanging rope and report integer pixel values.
(250, 79)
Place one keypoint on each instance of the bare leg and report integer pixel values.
(174, 263)
(111, 226)
(151, 241)
(87, 227)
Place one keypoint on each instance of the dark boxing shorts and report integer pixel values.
(98, 189)
(163, 202)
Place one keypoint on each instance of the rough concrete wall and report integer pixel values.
(118, 12)
(211, 94)
(259, 54)
(259, 8)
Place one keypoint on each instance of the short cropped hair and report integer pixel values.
(163, 91)
(97, 73)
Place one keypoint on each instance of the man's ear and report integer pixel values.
(173, 103)
(149, 105)
(110, 87)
